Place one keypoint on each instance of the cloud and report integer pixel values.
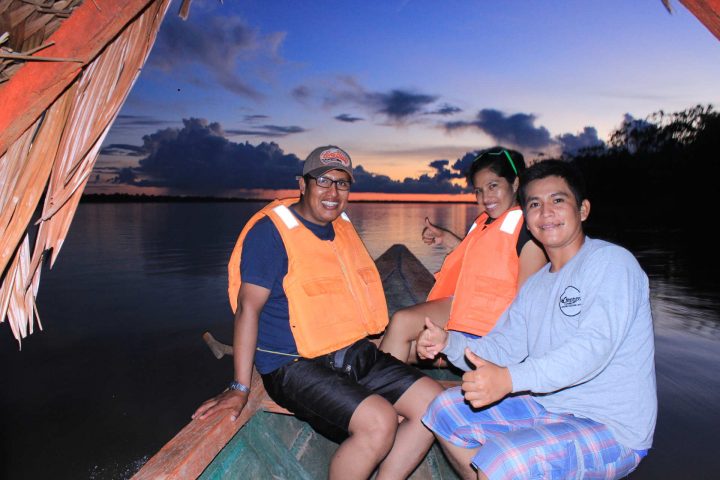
(254, 118)
(462, 164)
(130, 121)
(372, 182)
(138, 119)
(123, 149)
(637, 124)
(397, 105)
(346, 117)
(124, 176)
(271, 131)
(572, 144)
(199, 159)
(445, 109)
(518, 130)
(218, 43)
(301, 93)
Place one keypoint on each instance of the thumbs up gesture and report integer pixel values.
(434, 235)
(487, 384)
(431, 341)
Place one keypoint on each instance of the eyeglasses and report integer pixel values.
(502, 152)
(326, 182)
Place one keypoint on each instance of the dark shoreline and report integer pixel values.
(143, 198)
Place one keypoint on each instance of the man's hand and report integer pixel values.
(487, 384)
(431, 341)
(231, 400)
(432, 234)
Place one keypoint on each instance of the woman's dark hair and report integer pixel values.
(554, 168)
(503, 162)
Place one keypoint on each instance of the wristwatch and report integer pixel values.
(235, 385)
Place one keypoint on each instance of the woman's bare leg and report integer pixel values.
(407, 323)
(413, 439)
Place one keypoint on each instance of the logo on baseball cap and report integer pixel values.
(324, 159)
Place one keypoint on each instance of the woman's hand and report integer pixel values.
(434, 235)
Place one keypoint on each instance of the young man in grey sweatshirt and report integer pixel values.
(564, 386)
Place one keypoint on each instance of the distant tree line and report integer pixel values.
(663, 170)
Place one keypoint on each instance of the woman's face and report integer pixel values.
(494, 193)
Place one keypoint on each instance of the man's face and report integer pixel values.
(552, 213)
(323, 205)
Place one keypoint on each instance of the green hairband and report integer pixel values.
(512, 164)
(507, 154)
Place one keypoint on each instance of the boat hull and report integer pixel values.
(266, 441)
(280, 446)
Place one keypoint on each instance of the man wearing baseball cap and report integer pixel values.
(306, 296)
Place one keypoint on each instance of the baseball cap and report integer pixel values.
(324, 159)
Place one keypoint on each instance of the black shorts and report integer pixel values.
(325, 391)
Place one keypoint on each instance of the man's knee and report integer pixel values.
(415, 401)
(375, 421)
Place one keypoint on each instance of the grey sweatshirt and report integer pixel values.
(583, 338)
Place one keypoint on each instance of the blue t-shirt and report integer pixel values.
(265, 263)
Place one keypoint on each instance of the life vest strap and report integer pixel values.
(511, 221)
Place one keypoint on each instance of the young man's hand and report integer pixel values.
(231, 400)
(431, 341)
(487, 384)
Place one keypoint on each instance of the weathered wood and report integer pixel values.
(31, 58)
(59, 149)
(35, 86)
(707, 11)
(280, 446)
(191, 450)
(405, 279)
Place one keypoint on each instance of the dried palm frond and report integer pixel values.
(54, 154)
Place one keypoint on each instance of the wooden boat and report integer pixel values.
(266, 441)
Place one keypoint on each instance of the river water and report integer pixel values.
(121, 364)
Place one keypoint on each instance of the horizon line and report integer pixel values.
(365, 197)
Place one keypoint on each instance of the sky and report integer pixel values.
(232, 99)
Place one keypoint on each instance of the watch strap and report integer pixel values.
(235, 385)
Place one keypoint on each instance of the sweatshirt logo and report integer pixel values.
(571, 302)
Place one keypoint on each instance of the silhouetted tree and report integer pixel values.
(659, 169)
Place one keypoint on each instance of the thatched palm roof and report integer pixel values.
(55, 112)
(707, 11)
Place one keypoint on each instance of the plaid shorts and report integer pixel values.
(520, 439)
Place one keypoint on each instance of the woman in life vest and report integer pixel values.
(481, 275)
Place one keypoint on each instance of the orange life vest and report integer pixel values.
(335, 295)
(481, 273)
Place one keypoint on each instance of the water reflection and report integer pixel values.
(383, 225)
(137, 284)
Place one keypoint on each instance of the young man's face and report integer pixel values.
(553, 215)
(323, 205)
